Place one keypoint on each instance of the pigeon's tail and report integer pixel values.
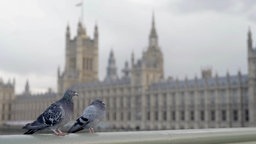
(28, 127)
(75, 128)
(31, 131)
(79, 125)
(33, 127)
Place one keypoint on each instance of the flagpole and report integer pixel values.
(82, 10)
(82, 13)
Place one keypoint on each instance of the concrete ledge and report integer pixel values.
(198, 136)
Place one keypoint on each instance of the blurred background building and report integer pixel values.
(7, 95)
(141, 98)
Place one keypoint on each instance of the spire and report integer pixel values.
(58, 72)
(68, 28)
(249, 38)
(79, 28)
(111, 68)
(153, 38)
(27, 88)
(153, 32)
(96, 32)
(228, 76)
(126, 70)
(111, 54)
(132, 58)
(96, 35)
(239, 72)
(68, 31)
(111, 60)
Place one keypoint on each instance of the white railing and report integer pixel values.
(195, 136)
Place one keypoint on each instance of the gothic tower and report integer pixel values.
(81, 59)
(251, 54)
(150, 68)
(27, 89)
(111, 68)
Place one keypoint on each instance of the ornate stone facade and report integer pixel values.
(26, 106)
(7, 95)
(142, 98)
(81, 59)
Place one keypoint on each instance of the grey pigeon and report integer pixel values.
(55, 116)
(91, 116)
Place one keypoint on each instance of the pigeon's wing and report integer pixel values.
(50, 117)
(89, 115)
(53, 115)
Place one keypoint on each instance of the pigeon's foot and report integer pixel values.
(55, 132)
(91, 130)
(59, 133)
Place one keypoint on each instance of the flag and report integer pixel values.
(79, 4)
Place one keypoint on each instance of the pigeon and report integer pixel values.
(91, 116)
(55, 116)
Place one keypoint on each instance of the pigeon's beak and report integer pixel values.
(76, 94)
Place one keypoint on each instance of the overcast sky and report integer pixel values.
(193, 34)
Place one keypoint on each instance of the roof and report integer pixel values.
(228, 81)
(105, 83)
(38, 96)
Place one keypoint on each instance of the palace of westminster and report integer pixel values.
(141, 98)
